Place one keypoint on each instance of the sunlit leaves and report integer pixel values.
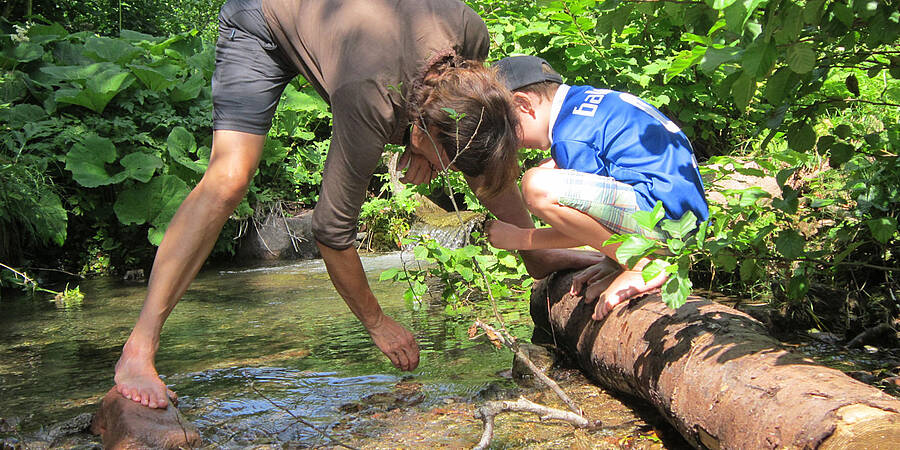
(87, 161)
(882, 228)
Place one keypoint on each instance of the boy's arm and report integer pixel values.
(510, 237)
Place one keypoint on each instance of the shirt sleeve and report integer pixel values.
(362, 119)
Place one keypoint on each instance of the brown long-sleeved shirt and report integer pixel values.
(358, 54)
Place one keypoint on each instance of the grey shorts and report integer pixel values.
(251, 72)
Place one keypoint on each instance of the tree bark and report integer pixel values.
(715, 374)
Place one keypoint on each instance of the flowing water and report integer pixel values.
(240, 348)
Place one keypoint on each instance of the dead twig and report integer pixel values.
(491, 409)
(514, 346)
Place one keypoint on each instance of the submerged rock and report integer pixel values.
(125, 424)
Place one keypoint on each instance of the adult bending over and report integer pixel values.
(382, 66)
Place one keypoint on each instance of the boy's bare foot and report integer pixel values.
(627, 285)
(136, 379)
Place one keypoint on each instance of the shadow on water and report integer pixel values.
(237, 335)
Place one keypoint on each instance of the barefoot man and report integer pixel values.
(382, 66)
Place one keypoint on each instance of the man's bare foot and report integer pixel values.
(136, 379)
(627, 285)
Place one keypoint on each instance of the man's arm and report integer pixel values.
(349, 278)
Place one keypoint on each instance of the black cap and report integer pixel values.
(520, 71)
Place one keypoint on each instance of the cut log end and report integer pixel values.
(862, 426)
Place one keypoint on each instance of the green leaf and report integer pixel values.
(420, 253)
(748, 270)
(20, 115)
(649, 219)
(840, 152)
(742, 90)
(715, 57)
(656, 268)
(789, 201)
(189, 89)
(181, 144)
(676, 290)
(39, 34)
(790, 244)
(680, 228)
(798, 286)
(759, 58)
(157, 78)
(99, 90)
(117, 51)
(154, 203)
(633, 249)
(737, 14)
(683, 61)
(801, 57)
(725, 260)
(50, 218)
(751, 195)
(882, 228)
(802, 138)
(87, 161)
(140, 166)
(719, 4)
(779, 85)
(388, 274)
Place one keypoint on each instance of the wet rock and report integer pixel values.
(279, 237)
(9, 424)
(404, 395)
(125, 424)
(541, 356)
(78, 424)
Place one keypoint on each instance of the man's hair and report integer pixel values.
(469, 112)
(544, 89)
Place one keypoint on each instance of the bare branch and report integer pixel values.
(490, 410)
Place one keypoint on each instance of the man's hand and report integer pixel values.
(418, 169)
(396, 343)
(591, 278)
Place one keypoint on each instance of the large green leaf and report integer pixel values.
(188, 89)
(77, 73)
(157, 78)
(20, 115)
(633, 249)
(154, 203)
(87, 161)
(40, 34)
(98, 90)
(738, 13)
(680, 228)
(113, 50)
(140, 165)
(181, 144)
(801, 138)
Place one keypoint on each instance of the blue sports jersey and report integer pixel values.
(615, 134)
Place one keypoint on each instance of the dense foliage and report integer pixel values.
(104, 134)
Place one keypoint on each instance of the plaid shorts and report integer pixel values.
(608, 201)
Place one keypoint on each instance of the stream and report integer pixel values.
(249, 351)
(258, 354)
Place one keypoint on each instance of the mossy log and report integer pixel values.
(716, 374)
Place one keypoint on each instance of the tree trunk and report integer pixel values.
(716, 374)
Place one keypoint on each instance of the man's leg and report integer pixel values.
(540, 187)
(188, 240)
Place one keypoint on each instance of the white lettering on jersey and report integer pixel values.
(643, 106)
(589, 107)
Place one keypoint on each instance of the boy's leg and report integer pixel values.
(604, 208)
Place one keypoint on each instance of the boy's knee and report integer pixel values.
(537, 189)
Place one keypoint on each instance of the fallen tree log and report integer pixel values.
(715, 374)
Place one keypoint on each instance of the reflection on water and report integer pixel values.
(237, 336)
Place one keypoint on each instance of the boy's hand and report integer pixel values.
(504, 235)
